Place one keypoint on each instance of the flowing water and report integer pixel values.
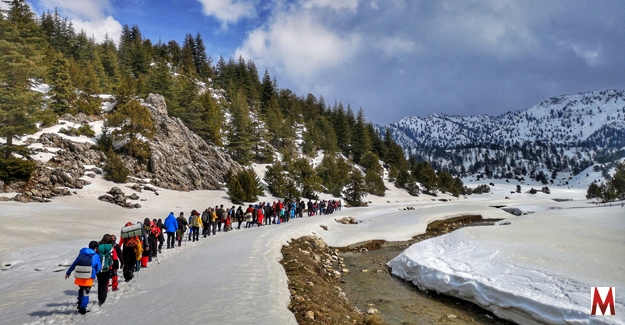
(400, 302)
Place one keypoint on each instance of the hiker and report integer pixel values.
(260, 215)
(105, 248)
(239, 215)
(206, 216)
(310, 208)
(182, 228)
(171, 226)
(195, 224)
(213, 218)
(221, 215)
(146, 232)
(87, 266)
(249, 216)
(302, 206)
(131, 253)
(117, 255)
(160, 237)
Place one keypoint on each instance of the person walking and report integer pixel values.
(131, 252)
(239, 215)
(182, 228)
(117, 263)
(146, 234)
(206, 220)
(105, 253)
(87, 266)
(160, 237)
(249, 216)
(221, 215)
(171, 226)
(195, 224)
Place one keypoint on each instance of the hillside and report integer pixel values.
(564, 134)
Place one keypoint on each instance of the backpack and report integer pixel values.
(104, 250)
(131, 242)
(131, 231)
(83, 267)
(205, 217)
(195, 221)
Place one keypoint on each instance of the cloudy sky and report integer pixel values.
(394, 58)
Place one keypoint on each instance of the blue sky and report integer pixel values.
(394, 58)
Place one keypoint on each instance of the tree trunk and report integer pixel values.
(7, 154)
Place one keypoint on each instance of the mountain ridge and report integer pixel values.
(567, 134)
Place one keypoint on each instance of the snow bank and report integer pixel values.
(538, 269)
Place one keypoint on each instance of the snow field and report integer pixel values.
(538, 269)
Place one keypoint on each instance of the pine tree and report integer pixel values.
(202, 62)
(160, 81)
(305, 178)
(244, 186)
(342, 129)
(276, 179)
(356, 188)
(62, 92)
(110, 63)
(618, 181)
(361, 143)
(212, 115)
(374, 174)
(88, 101)
(133, 120)
(240, 131)
(19, 105)
(187, 64)
(333, 173)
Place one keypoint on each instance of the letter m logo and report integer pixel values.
(603, 297)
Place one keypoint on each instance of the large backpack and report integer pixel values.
(83, 267)
(205, 217)
(195, 221)
(104, 250)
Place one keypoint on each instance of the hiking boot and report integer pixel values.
(82, 311)
(100, 303)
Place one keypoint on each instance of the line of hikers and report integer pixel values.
(141, 243)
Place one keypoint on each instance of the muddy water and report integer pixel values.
(400, 302)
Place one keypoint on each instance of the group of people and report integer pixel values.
(141, 243)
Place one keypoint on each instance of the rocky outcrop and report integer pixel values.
(180, 159)
(347, 221)
(117, 196)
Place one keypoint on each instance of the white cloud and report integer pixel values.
(80, 9)
(228, 11)
(298, 45)
(92, 16)
(396, 47)
(498, 28)
(591, 57)
(99, 29)
(333, 4)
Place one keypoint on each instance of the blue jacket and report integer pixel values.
(96, 265)
(171, 225)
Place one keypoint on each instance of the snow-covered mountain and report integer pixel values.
(562, 134)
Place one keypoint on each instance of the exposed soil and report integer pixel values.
(319, 284)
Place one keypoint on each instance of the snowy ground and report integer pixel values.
(235, 278)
